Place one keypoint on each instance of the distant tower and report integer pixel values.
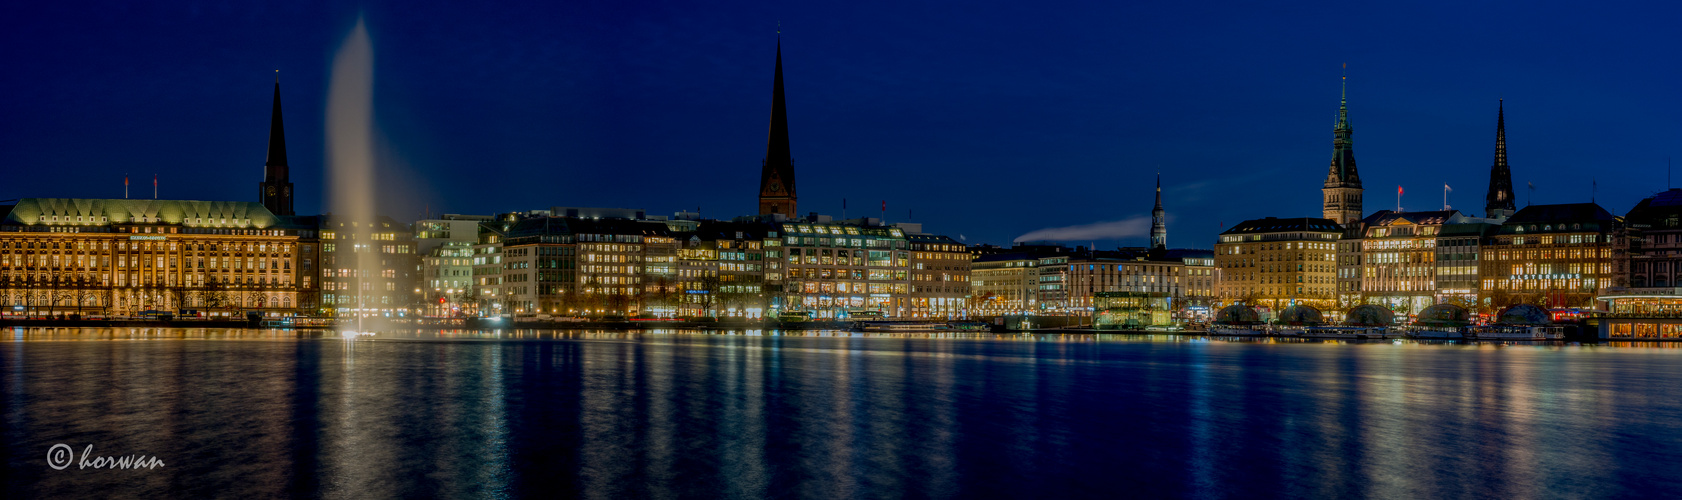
(1159, 221)
(1499, 202)
(776, 176)
(1343, 184)
(275, 192)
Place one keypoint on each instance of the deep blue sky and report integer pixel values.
(990, 119)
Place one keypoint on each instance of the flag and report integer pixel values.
(843, 203)
(884, 205)
(1398, 190)
(1446, 188)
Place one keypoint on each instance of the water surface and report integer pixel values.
(248, 413)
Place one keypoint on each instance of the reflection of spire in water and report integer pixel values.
(350, 154)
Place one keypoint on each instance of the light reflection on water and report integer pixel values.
(607, 414)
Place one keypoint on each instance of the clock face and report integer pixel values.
(271, 190)
(776, 187)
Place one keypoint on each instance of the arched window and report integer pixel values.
(1638, 282)
(1660, 282)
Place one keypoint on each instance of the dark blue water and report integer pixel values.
(614, 415)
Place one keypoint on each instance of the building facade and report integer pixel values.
(940, 277)
(1549, 255)
(368, 267)
(124, 257)
(1275, 263)
(1398, 256)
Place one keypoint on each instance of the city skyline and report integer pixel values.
(1085, 167)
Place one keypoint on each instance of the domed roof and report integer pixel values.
(1524, 314)
(1370, 315)
(1443, 315)
(1237, 315)
(1301, 315)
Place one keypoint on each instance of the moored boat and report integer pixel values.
(1347, 332)
(900, 326)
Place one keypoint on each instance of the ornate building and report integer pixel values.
(1343, 185)
(776, 176)
(108, 256)
(1549, 255)
(1498, 204)
(275, 192)
(1278, 262)
(1159, 220)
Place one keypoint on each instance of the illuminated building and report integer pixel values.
(730, 269)
(368, 267)
(940, 277)
(1278, 262)
(835, 270)
(1197, 274)
(446, 246)
(1549, 255)
(1398, 255)
(1342, 190)
(1004, 283)
(110, 256)
(1652, 242)
(571, 266)
(776, 177)
(1458, 248)
(1084, 274)
(447, 273)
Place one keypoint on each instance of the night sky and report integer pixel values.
(987, 119)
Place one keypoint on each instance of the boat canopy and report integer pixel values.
(1369, 315)
(1301, 315)
(1443, 315)
(1237, 314)
(1524, 314)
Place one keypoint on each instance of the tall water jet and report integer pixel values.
(350, 161)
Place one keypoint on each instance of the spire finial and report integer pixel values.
(277, 76)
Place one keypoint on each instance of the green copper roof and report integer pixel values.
(94, 212)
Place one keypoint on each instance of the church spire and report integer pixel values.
(275, 168)
(1159, 219)
(1499, 202)
(776, 177)
(1342, 189)
(275, 192)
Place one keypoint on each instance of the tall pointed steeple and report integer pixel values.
(776, 176)
(1159, 219)
(275, 192)
(1499, 202)
(1342, 190)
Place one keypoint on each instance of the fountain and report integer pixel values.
(350, 158)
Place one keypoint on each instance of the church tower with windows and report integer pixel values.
(1498, 204)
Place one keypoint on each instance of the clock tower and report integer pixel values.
(776, 174)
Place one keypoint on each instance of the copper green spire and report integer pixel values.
(1342, 189)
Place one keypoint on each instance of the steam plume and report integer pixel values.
(1114, 230)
